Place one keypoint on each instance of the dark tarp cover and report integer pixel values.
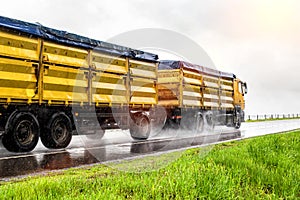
(64, 37)
(173, 64)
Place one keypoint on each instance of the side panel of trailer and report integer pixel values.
(169, 83)
(143, 78)
(189, 89)
(18, 65)
(65, 77)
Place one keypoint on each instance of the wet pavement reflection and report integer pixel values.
(33, 164)
(23, 164)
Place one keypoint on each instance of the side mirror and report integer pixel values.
(245, 88)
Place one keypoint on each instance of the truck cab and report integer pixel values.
(240, 89)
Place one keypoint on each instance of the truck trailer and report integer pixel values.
(54, 84)
(196, 97)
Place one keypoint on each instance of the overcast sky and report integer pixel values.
(258, 40)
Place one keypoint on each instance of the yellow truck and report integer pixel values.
(54, 84)
(195, 96)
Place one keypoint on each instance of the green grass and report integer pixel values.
(266, 167)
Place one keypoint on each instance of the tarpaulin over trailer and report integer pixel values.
(173, 64)
(64, 37)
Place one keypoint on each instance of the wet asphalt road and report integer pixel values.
(118, 145)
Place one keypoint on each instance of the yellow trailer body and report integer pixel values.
(143, 78)
(185, 88)
(66, 72)
(54, 83)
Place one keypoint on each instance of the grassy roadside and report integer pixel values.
(266, 167)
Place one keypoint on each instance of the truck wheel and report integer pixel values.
(22, 133)
(158, 119)
(237, 123)
(140, 127)
(58, 132)
(209, 122)
(192, 121)
(199, 123)
(237, 120)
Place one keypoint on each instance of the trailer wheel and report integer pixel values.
(158, 119)
(22, 133)
(192, 121)
(58, 132)
(140, 127)
(209, 121)
(199, 123)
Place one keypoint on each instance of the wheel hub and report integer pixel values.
(24, 132)
(60, 131)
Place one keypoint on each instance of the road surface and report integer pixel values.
(118, 145)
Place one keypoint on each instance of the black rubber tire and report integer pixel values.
(199, 124)
(158, 120)
(22, 133)
(209, 124)
(58, 133)
(238, 122)
(140, 127)
(192, 121)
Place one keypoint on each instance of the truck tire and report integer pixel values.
(140, 127)
(22, 132)
(209, 121)
(238, 121)
(58, 132)
(199, 123)
(158, 119)
(193, 122)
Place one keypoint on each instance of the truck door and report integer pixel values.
(239, 92)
